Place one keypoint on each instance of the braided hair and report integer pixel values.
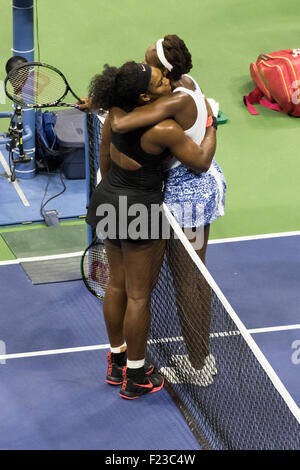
(178, 55)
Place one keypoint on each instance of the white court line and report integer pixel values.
(54, 351)
(41, 258)
(106, 346)
(161, 340)
(274, 328)
(254, 237)
(79, 253)
(15, 183)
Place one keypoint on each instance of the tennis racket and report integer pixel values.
(95, 269)
(37, 85)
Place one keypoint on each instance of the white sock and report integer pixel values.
(135, 364)
(119, 349)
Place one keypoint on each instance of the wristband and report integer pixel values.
(212, 121)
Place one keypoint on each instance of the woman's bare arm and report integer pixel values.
(149, 114)
(169, 134)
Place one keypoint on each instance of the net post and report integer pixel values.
(23, 45)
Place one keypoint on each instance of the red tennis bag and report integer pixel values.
(277, 80)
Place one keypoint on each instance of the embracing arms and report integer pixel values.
(169, 134)
(147, 115)
(163, 108)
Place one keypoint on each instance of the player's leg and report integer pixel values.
(192, 295)
(142, 262)
(114, 307)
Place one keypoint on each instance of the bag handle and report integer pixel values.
(264, 57)
(256, 96)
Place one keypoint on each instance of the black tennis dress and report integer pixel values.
(125, 204)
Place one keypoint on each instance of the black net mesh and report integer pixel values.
(94, 128)
(93, 138)
(222, 389)
(226, 395)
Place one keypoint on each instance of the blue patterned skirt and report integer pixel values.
(195, 199)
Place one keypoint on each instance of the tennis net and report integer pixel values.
(227, 391)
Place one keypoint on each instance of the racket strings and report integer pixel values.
(35, 85)
(95, 269)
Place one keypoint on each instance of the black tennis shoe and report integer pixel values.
(141, 385)
(115, 371)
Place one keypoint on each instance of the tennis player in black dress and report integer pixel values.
(121, 209)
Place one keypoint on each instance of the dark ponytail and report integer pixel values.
(118, 86)
(102, 88)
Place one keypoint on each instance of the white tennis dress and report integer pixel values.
(195, 199)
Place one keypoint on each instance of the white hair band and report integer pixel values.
(161, 55)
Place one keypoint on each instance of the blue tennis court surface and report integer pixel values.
(56, 397)
(60, 401)
(260, 278)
